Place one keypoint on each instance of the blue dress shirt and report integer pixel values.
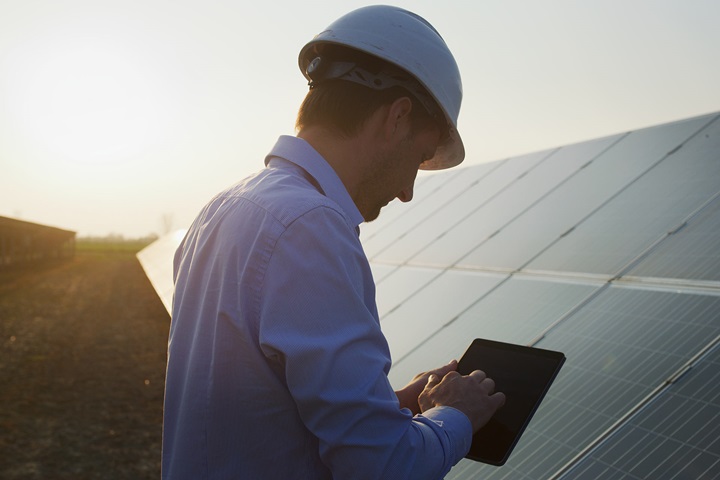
(277, 367)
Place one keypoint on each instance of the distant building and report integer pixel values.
(24, 242)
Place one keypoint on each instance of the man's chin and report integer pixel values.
(373, 215)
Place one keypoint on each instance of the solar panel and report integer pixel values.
(642, 213)
(452, 183)
(157, 261)
(380, 271)
(396, 287)
(431, 307)
(676, 436)
(498, 316)
(464, 203)
(512, 201)
(425, 186)
(580, 196)
(690, 252)
(620, 346)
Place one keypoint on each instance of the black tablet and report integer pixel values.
(524, 375)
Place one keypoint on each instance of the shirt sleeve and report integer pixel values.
(319, 324)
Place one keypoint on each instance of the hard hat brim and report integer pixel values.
(448, 155)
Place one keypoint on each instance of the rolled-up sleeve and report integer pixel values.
(318, 326)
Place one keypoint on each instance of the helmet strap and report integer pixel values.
(321, 70)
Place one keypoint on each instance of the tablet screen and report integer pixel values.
(524, 375)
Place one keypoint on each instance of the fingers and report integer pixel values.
(482, 378)
(433, 380)
(445, 369)
(498, 398)
(478, 375)
(472, 394)
(440, 371)
(487, 384)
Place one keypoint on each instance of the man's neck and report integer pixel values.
(346, 155)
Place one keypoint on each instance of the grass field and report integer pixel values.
(82, 366)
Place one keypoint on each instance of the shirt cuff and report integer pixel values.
(457, 427)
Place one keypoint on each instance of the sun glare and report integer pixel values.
(87, 103)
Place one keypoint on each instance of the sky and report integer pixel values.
(126, 117)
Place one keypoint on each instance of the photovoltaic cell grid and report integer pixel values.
(534, 177)
(641, 213)
(444, 221)
(691, 252)
(621, 346)
(671, 438)
(589, 188)
(436, 304)
(497, 316)
(445, 188)
(394, 217)
(608, 250)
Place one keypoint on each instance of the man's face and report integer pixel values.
(392, 174)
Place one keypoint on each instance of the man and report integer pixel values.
(277, 367)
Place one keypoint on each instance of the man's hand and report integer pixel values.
(408, 395)
(473, 394)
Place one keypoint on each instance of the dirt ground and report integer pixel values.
(82, 366)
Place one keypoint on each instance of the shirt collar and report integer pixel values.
(298, 151)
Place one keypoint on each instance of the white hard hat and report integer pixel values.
(408, 41)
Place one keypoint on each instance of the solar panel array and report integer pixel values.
(607, 250)
(157, 262)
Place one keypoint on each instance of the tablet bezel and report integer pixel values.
(479, 450)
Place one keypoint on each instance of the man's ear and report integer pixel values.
(398, 117)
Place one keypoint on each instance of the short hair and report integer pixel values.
(344, 106)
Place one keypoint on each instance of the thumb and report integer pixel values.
(432, 380)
